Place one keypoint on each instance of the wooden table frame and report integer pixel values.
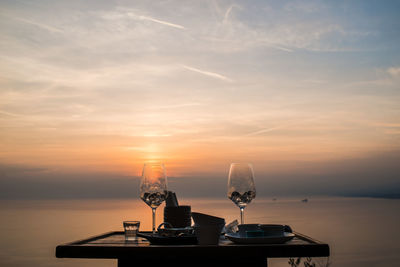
(112, 245)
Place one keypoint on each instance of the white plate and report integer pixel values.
(236, 238)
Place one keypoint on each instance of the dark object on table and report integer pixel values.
(256, 233)
(165, 229)
(178, 217)
(157, 239)
(237, 238)
(171, 200)
(206, 219)
(288, 229)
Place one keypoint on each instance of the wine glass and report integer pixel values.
(153, 187)
(241, 187)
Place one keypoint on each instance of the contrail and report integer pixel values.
(277, 46)
(178, 106)
(266, 130)
(10, 114)
(208, 73)
(40, 25)
(282, 48)
(133, 13)
(162, 22)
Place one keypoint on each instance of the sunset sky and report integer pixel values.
(307, 91)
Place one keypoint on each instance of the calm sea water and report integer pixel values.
(360, 231)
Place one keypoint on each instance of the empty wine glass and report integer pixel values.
(241, 187)
(153, 187)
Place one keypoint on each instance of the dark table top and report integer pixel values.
(112, 245)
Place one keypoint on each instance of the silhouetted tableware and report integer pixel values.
(244, 228)
(178, 217)
(131, 229)
(241, 187)
(208, 234)
(205, 219)
(157, 239)
(272, 229)
(153, 187)
(237, 238)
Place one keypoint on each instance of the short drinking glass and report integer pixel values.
(131, 229)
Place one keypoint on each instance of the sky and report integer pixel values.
(306, 91)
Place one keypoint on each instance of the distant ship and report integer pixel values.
(305, 200)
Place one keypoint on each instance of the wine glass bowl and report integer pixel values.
(241, 187)
(153, 187)
(153, 199)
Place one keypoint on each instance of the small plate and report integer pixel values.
(236, 238)
(158, 239)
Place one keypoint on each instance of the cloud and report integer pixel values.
(394, 71)
(281, 48)
(287, 125)
(123, 13)
(303, 6)
(37, 24)
(294, 30)
(208, 73)
(183, 105)
(10, 114)
(162, 22)
(228, 12)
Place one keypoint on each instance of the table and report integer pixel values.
(112, 245)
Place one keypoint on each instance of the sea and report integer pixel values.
(359, 231)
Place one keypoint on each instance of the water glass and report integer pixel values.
(131, 229)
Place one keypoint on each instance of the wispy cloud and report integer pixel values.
(228, 12)
(37, 24)
(148, 72)
(266, 130)
(9, 114)
(156, 135)
(161, 22)
(208, 73)
(394, 71)
(177, 106)
(281, 48)
(122, 12)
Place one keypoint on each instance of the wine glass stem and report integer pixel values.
(241, 215)
(154, 220)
